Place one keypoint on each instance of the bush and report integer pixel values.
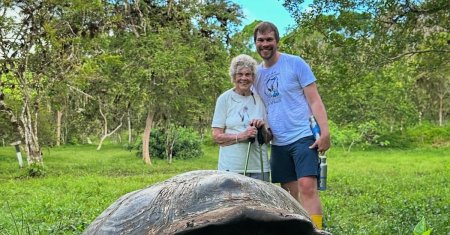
(398, 139)
(426, 134)
(430, 134)
(344, 137)
(364, 135)
(36, 170)
(208, 140)
(370, 134)
(184, 142)
(187, 144)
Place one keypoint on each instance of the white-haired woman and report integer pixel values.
(238, 115)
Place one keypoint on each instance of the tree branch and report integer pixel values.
(417, 52)
(80, 91)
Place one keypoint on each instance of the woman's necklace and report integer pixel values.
(238, 101)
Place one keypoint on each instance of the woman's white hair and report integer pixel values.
(242, 61)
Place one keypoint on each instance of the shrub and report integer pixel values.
(422, 135)
(429, 134)
(364, 135)
(344, 137)
(184, 143)
(187, 144)
(208, 140)
(36, 170)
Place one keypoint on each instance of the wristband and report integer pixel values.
(236, 138)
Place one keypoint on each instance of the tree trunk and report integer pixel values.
(171, 150)
(106, 134)
(441, 109)
(32, 148)
(146, 138)
(58, 127)
(420, 117)
(28, 128)
(105, 128)
(129, 127)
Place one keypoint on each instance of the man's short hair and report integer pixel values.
(266, 27)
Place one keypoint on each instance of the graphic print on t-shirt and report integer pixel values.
(271, 88)
(243, 114)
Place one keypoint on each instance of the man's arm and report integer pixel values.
(319, 112)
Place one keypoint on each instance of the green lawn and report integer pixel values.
(369, 192)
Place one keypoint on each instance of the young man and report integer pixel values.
(287, 86)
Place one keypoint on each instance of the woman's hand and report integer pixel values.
(251, 131)
(262, 126)
(257, 123)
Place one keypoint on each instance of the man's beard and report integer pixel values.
(267, 54)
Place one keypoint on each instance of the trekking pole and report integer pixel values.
(261, 142)
(250, 141)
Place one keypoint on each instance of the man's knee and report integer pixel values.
(308, 186)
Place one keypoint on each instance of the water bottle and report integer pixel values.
(322, 179)
(323, 173)
(314, 127)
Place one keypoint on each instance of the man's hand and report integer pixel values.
(322, 144)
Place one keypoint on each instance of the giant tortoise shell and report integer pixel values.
(205, 202)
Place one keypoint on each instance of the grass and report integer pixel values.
(388, 192)
(369, 192)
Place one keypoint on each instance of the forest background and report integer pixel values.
(74, 72)
(146, 74)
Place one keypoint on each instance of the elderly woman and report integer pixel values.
(238, 115)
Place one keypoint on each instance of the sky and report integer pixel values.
(266, 10)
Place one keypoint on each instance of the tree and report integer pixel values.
(23, 57)
(41, 48)
(363, 53)
(172, 64)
